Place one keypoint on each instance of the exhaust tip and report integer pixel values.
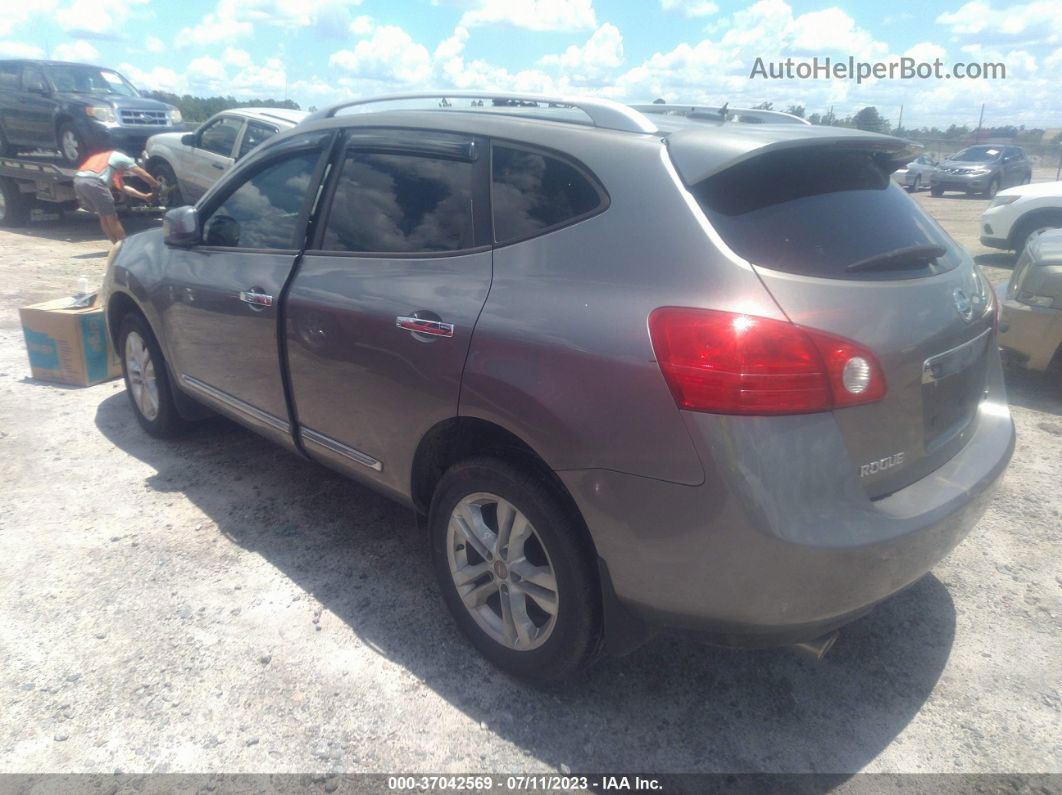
(816, 649)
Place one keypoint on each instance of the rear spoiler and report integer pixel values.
(700, 153)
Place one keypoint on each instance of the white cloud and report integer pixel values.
(76, 51)
(832, 30)
(236, 57)
(563, 15)
(362, 26)
(691, 8)
(206, 72)
(1039, 20)
(102, 18)
(389, 55)
(594, 60)
(18, 14)
(154, 45)
(157, 78)
(213, 30)
(19, 49)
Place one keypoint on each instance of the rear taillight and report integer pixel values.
(731, 363)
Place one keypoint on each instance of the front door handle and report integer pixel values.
(256, 299)
(433, 328)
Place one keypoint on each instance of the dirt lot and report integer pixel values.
(220, 605)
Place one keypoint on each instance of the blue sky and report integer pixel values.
(317, 51)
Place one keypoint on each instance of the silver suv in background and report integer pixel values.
(187, 164)
(633, 373)
(984, 169)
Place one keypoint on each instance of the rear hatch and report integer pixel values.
(845, 250)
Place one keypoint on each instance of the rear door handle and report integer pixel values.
(256, 299)
(433, 328)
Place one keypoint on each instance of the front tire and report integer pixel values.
(516, 569)
(937, 192)
(992, 189)
(147, 382)
(169, 190)
(72, 146)
(14, 205)
(917, 184)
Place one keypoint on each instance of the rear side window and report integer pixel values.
(816, 212)
(532, 192)
(8, 76)
(401, 203)
(254, 135)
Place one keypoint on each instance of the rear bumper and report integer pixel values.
(781, 543)
(1034, 333)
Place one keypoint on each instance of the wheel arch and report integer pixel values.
(1019, 228)
(458, 438)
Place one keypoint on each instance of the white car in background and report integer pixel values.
(916, 174)
(187, 164)
(1018, 213)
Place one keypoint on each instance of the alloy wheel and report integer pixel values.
(71, 148)
(502, 571)
(141, 372)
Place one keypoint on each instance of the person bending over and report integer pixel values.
(93, 182)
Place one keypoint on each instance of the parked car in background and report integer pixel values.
(1031, 327)
(187, 164)
(1016, 214)
(984, 169)
(75, 109)
(720, 114)
(635, 373)
(916, 174)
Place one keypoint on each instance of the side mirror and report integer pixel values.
(188, 139)
(180, 227)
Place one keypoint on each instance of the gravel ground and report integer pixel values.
(217, 604)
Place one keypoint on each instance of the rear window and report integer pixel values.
(816, 212)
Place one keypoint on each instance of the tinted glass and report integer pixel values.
(255, 134)
(8, 75)
(264, 211)
(978, 154)
(533, 192)
(220, 136)
(32, 78)
(89, 80)
(816, 212)
(401, 204)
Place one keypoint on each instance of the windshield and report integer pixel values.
(978, 154)
(79, 79)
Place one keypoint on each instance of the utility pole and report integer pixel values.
(899, 124)
(981, 118)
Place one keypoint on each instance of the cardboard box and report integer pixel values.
(69, 345)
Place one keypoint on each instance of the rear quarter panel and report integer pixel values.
(561, 355)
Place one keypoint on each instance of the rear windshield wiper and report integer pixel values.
(909, 257)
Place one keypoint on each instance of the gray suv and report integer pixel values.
(985, 169)
(633, 374)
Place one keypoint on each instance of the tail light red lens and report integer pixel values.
(730, 363)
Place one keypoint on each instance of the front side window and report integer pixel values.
(533, 192)
(255, 134)
(220, 136)
(264, 211)
(401, 203)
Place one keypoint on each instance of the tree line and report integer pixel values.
(197, 109)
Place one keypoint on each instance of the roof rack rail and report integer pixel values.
(604, 113)
(724, 113)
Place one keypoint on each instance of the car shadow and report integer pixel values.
(1037, 391)
(997, 259)
(80, 227)
(671, 706)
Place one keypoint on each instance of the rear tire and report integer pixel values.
(935, 191)
(14, 205)
(545, 542)
(7, 149)
(147, 381)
